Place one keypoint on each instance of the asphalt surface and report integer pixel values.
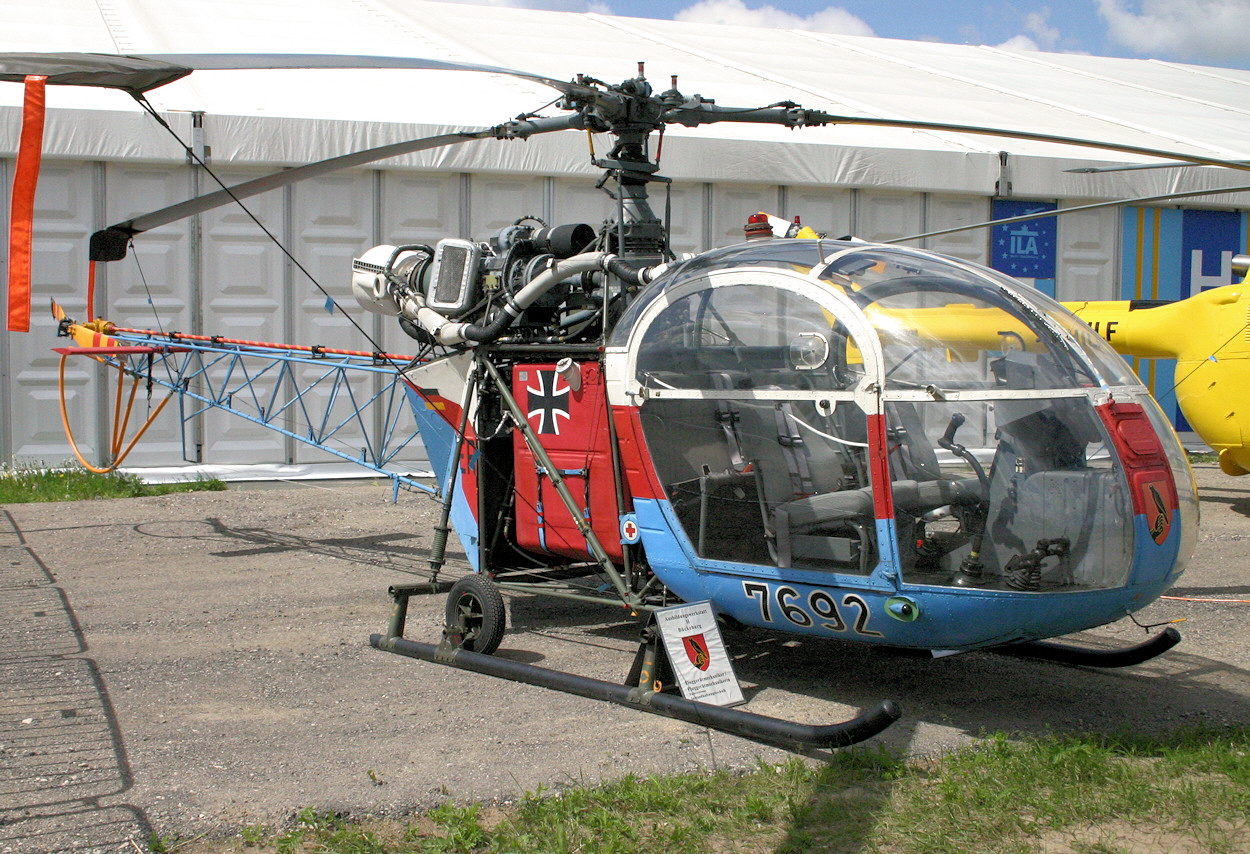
(192, 664)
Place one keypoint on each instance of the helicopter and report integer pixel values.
(823, 437)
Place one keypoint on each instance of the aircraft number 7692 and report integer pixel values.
(821, 608)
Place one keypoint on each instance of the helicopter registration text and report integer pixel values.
(819, 608)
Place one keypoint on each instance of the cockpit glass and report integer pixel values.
(746, 337)
(942, 326)
(775, 423)
(1109, 364)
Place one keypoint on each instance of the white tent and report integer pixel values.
(247, 113)
(105, 160)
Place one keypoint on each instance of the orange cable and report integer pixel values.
(119, 427)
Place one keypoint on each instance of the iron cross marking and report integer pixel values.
(549, 401)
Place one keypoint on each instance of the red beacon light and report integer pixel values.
(758, 227)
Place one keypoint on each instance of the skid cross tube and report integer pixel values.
(400, 594)
(788, 735)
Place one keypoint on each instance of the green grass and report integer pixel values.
(21, 484)
(1085, 794)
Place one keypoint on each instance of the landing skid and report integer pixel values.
(787, 735)
(1090, 657)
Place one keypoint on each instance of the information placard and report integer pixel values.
(698, 655)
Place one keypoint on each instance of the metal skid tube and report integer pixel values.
(1066, 653)
(788, 735)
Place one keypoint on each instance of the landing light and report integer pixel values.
(902, 608)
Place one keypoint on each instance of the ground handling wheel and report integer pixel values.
(475, 615)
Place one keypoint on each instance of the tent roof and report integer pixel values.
(292, 116)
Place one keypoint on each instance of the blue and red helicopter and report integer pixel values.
(823, 437)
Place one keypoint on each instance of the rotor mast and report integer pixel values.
(630, 112)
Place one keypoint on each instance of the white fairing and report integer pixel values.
(369, 285)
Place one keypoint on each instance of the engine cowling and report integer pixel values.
(379, 272)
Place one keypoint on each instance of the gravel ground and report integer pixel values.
(191, 664)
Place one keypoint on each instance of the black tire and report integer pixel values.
(475, 614)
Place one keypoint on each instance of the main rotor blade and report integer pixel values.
(276, 61)
(700, 112)
(137, 74)
(1098, 170)
(133, 74)
(110, 244)
(825, 118)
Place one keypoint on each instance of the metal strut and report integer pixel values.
(438, 547)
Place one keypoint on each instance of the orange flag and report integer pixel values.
(22, 213)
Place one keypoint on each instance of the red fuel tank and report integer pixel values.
(572, 426)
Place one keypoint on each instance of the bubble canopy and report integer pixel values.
(934, 317)
(884, 412)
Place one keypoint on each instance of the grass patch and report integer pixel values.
(1082, 794)
(1078, 793)
(23, 484)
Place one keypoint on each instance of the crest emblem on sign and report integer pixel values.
(696, 651)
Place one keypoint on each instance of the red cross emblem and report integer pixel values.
(629, 531)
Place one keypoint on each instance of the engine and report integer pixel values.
(530, 282)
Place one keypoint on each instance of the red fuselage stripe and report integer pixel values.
(879, 459)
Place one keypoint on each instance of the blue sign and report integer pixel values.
(1209, 240)
(1172, 254)
(1025, 250)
